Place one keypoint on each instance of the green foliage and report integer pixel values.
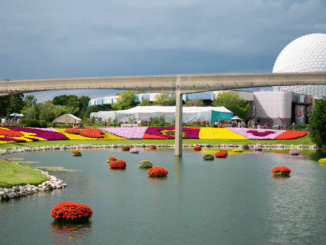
(157, 120)
(43, 124)
(317, 123)
(233, 102)
(165, 100)
(125, 101)
(47, 109)
(28, 122)
(5, 103)
(145, 102)
(88, 112)
(195, 102)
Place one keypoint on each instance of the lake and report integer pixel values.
(226, 201)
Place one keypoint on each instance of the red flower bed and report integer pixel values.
(118, 164)
(112, 158)
(71, 212)
(197, 148)
(291, 135)
(91, 132)
(125, 148)
(281, 171)
(153, 147)
(10, 133)
(157, 172)
(221, 154)
(72, 131)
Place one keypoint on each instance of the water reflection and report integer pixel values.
(178, 178)
(61, 233)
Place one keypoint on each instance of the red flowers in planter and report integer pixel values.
(197, 148)
(72, 131)
(221, 154)
(125, 148)
(71, 212)
(120, 164)
(157, 172)
(112, 158)
(76, 153)
(153, 147)
(281, 171)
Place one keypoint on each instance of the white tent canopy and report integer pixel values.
(190, 114)
(69, 118)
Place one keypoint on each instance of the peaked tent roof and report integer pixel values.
(67, 118)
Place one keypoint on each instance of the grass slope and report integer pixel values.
(12, 174)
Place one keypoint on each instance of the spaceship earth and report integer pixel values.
(304, 54)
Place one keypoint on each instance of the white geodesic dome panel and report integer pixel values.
(304, 54)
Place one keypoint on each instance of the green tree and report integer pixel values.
(5, 103)
(317, 122)
(61, 100)
(195, 102)
(233, 102)
(88, 112)
(145, 102)
(47, 111)
(16, 103)
(165, 100)
(29, 103)
(82, 105)
(125, 101)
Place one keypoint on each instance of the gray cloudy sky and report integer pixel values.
(63, 39)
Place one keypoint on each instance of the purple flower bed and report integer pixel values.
(12, 139)
(45, 134)
(129, 133)
(256, 134)
(191, 133)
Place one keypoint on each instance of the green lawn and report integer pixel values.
(12, 174)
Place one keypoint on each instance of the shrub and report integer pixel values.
(153, 147)
(208, 157)
(71, 212)
(145, 164)
(322, 161)
(76, 153)
(245, 147)
(31, 123)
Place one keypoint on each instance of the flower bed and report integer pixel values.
(76, 153)
(33, 134)
(291, 135)
(118, 164)
(157, 172)
(221, 154)
(163, 133)
(322, 161)
(145, 164)
(111, 159)
(72, 131)
(125, 148)
(134, 151)
(219, 133)
(71, 212)
(294, 152)
(245, 147)
(281, 171)
(197, 148)
(257, 134)
(208, 157)
(127, 133)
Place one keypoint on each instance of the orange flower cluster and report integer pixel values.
(10, 133)
(221, 154)
(157, 172)
(91, 132)
(153, 147)
(112, 158)
(76, 152)
(118, 164)
(125, 148)
(197, 148)
(282, 169)
(71, 211)
(291, 135)
(72, 131)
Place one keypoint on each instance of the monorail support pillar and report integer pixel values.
(178, 124)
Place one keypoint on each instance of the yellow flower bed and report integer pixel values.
(106, 136)
(219, 133)
(237, 150)
(322, 161)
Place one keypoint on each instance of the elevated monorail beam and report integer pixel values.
(185, 84)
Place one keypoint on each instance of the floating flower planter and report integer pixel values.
(294, 153)
(258, 148)
(237, 150)
(157, 172)
(111, 159)
(76, 153)
(118, 164)
(208, 157)
(153, 147)
(71, 212)
(245, 147)
(322, 161)
(197, 148)
(134, 151)
(221, 154)
(281, 171)
(145, 164)
(125, 148)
